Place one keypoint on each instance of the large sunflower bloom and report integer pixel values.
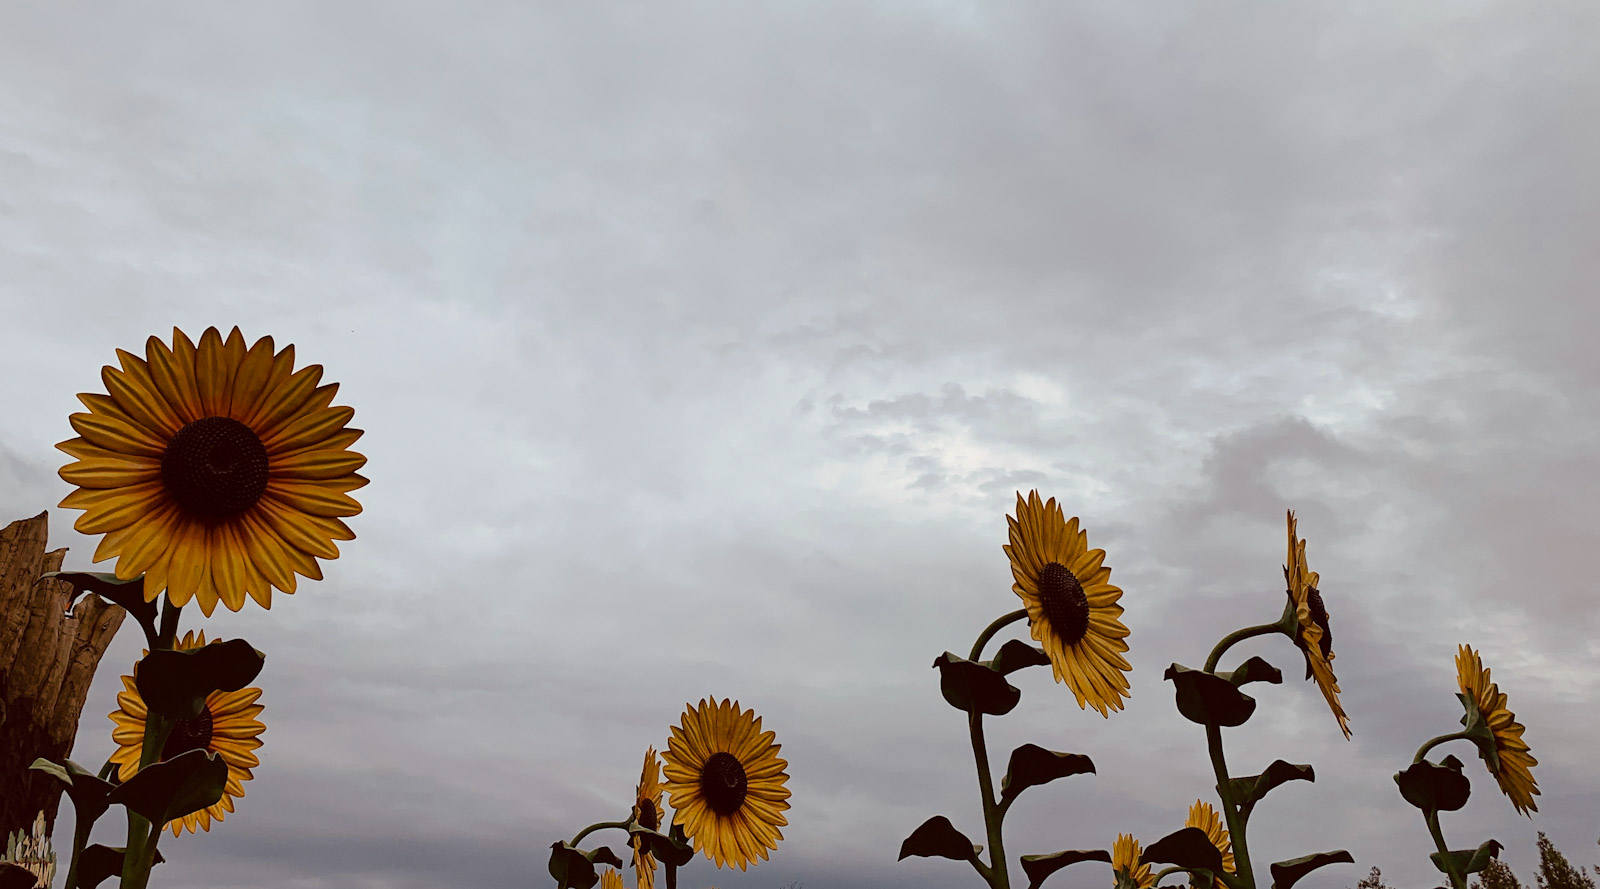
(1072, 606)
(215, 471)
(1313, 636)
(1201, 815)
(726, 782)
(1515, 774)
(647, 811)
(227, 727)
(1125, 854)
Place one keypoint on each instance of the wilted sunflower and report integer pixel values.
(1515, 774)
(227, 727)
(726, 782)
(1314, 637)
(1201, 815)
(647, 811)
(215, 471)
(1072, 606)
(1125, 853)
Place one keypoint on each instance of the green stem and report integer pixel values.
(1237, 636)
(80, 839)
(594, 827)
(1230, 812)
(1459, 881)
(136, 860)
(999, 624)
(1434, 742)
(996, 876)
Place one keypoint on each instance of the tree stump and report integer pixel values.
(47, 660)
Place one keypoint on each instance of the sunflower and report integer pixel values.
(1313, 635)
(726, 782)
(610, 879)
(1125, 863)
(214, 471)
(1201, 815)
(1072, 606)
(1515, 774)
(647, 811)
(227, 727)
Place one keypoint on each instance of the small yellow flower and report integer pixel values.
(1125, 854)
(1201, 815)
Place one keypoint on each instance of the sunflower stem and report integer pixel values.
(1459, 881)
(996, 877)
(137, 859)
(166, 636)
(988, 632)
(1230, 812)
(80, 839)
(1235, 637)
(1434, 742)
(600, 826)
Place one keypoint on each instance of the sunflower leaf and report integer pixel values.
(15, 876)
(1031, 764)
(1287, 873)
(87, 790)
(127, 593)
(973, 687)
(99, 862)
(1188, 848)
(665, 849)
(571, 868)
(1250, 790)
(1254, 670)
(175, 684)
(1435, 787)
(180, 786)
(1015, 655)
(938, 838)
(1209, 699)
(1468, 861)
(1038, 867)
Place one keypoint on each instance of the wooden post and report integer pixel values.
(47, 661)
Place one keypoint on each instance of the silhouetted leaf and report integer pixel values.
(129, 594)
(1287, 873)
(1253, 670)
(574, 868)
(1015, 655)
(15, 876)
(1208, 699)
(99, 862)
(666, 849)
(175, 684)
(1031, 764)
(971, 686)
(180, 786)
(938, 838)
(1249, 790)
(87, 790)
(1468, 861)
(1188, 848)
(1038, 867)
(1430, 786)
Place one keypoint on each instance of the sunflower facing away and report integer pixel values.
(1314, 637)
(726, 782)
(216, 471)
(1125, 853)
(1515, 774)
(1201, 815)
(1072, 606)
(227, 727)
(647, 811)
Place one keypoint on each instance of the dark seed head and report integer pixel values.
(1064, 603)
(216, 468)
(188, 734)
(648, 816)
(723, 783)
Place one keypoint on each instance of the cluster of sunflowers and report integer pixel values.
(218, 473)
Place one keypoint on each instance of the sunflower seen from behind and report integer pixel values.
(1130, 873)
(227, 726)
(1204, 817)
(1071, 603)
(216, 470)
(1313, 634)
(725, 783)
(646, 811)
(1515, 774)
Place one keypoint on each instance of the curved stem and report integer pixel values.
(1237, 636)
(1459, 881)
(600, 826)
(991, 816)
(1434, 742)
(999, 624)
(1230, 812)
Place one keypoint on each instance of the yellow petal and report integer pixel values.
(175, 383)
(311, 497)
(213, 374)
(139, 395)
(251, 379)
(111, 472)
(117, 435)
(308, 429)
(283, 402)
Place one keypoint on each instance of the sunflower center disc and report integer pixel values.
(1319, 616)
(1064, 603)
(723, 783)
(216, 468)
(188, 734)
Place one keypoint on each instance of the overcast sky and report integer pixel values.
(702, 348)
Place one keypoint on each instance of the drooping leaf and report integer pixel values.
(87, 790)
(1468, 861)
(970, 686)
(175, 683)
(665, 849)
(1038, 867)
(1254, 670)
(1188, 848)
(127, 593)
(180, 786)
(1015, 655)
(1031, 764)
(1208, 699)
(938, 838)
(574, 868)
(1287, 873)
(99, 862)
(15, 876)
(1249, 790)
(1437, 787)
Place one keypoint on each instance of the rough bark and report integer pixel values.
(47, 660)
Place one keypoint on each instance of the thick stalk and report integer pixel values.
(991, 816)
(1237, 636)
(600, 826)
(136, 858)
(999, 624)
(1434, 742)
(1230, 812)
(1459, 881)
(80, 839)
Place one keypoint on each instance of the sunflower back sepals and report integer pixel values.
(1038, 868)
(128, 594)
(1286, 873)
(1466, 861)
(1247, 791)
(175, 684)
(1031, 765)
(1435, 787)
(975, 687)
(1208, 699)
(1476, 729)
